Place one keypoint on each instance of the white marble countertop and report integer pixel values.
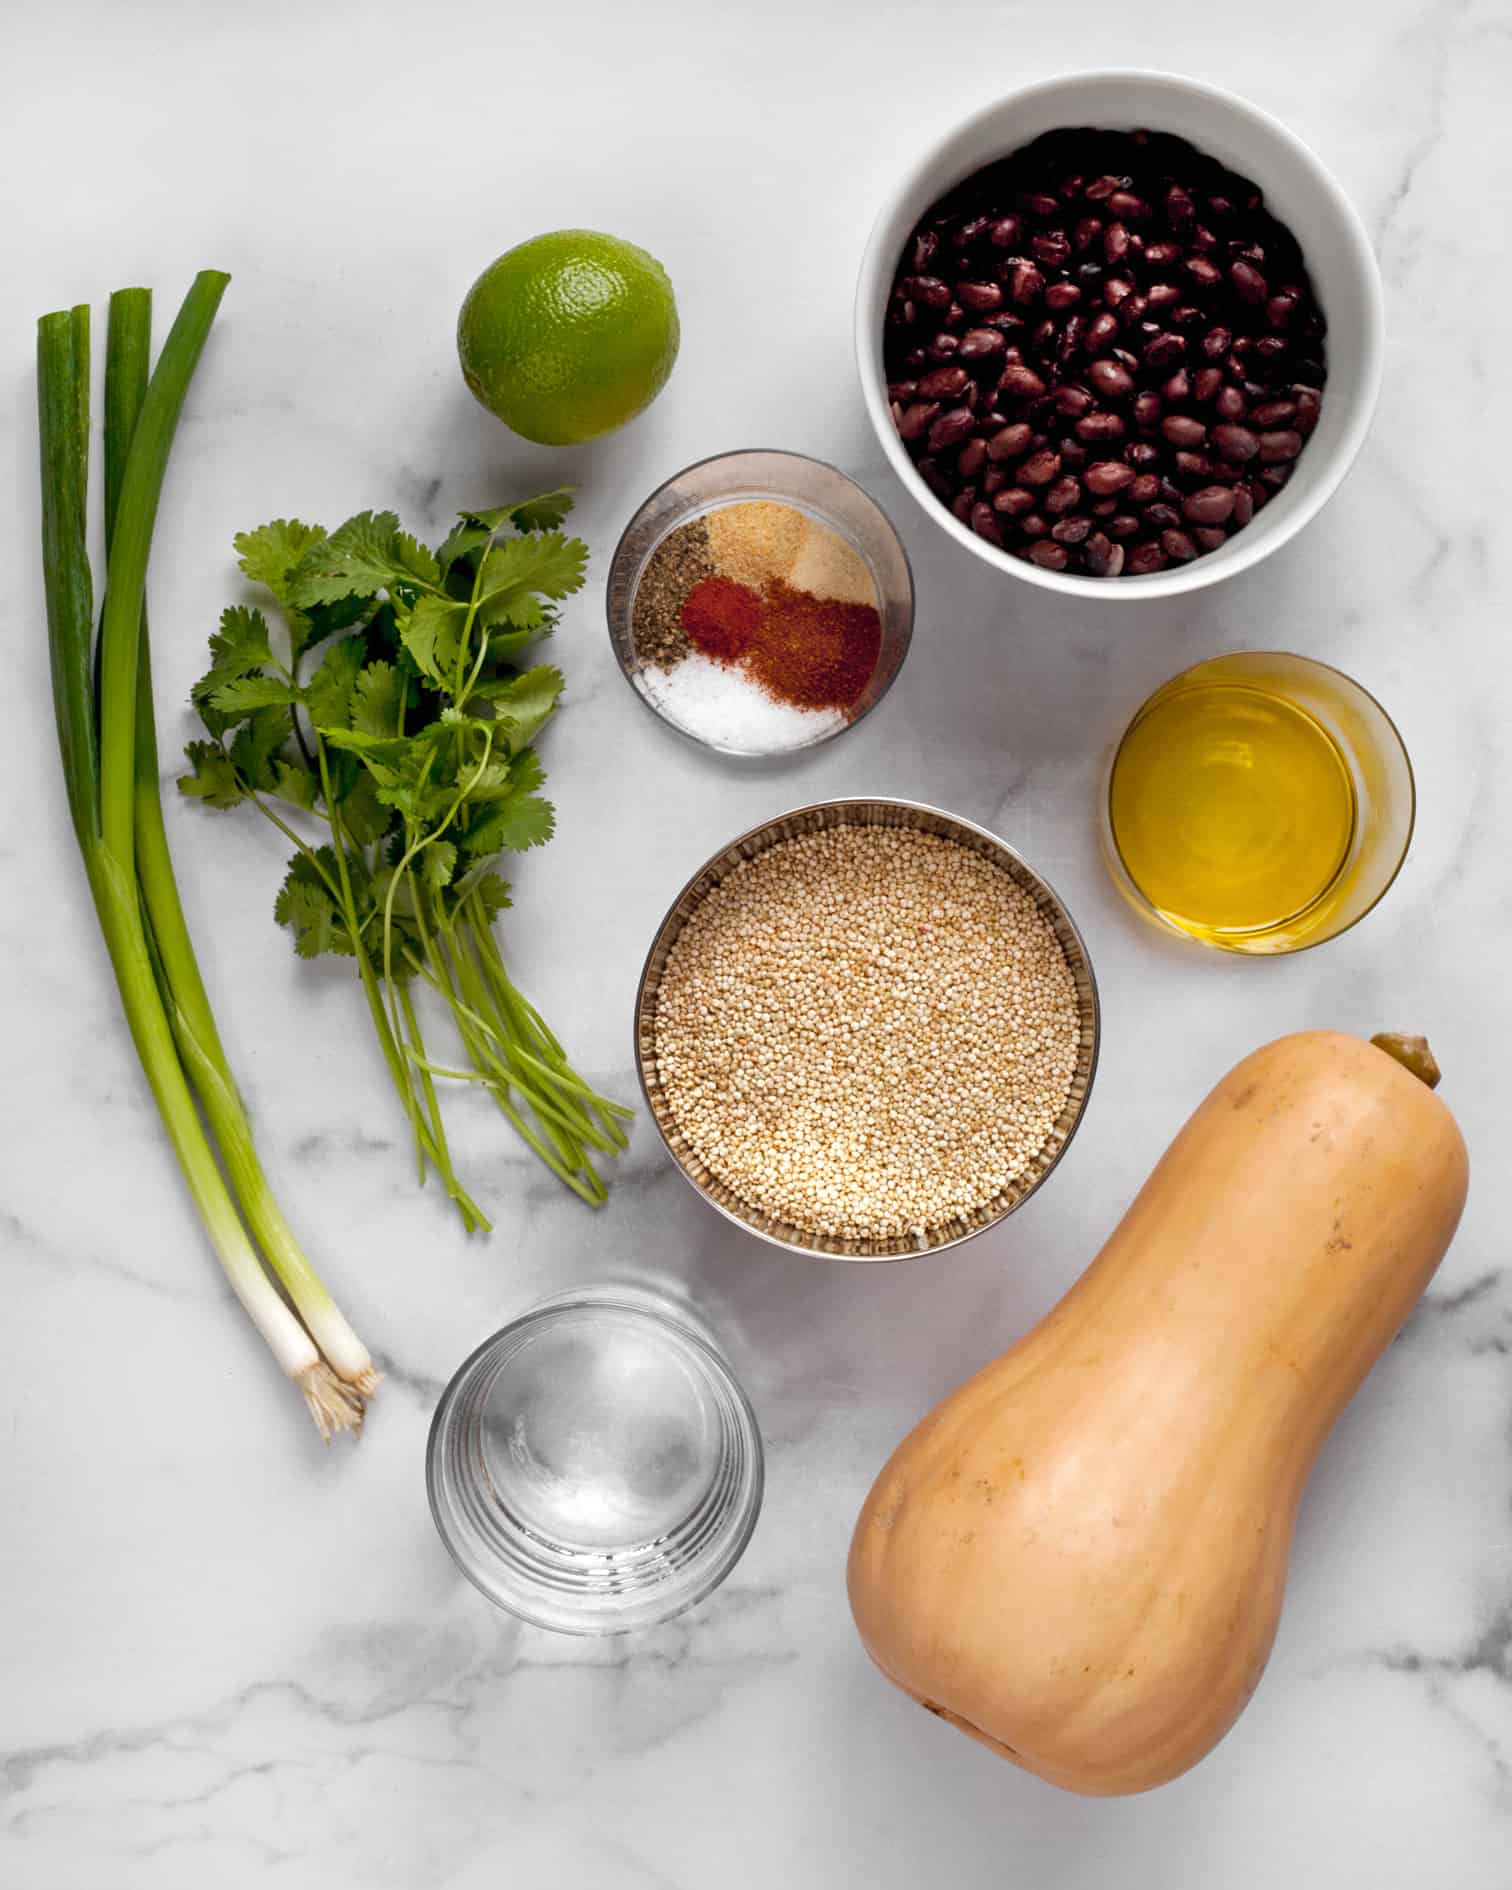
(228, 1656)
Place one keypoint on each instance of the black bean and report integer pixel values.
(1051, 556)
(1071, 531)
(1013, 501)
(1181, 430)
(969, 459)
(1229, 403)
(981, 296)
(917, 419)
(1111, 379)
(1283, 445)
(1020, 383)
(1162, 349)
(1012, 442)
(1062, 295)
(1144, 558)
(1178, 545)
(1063, 496)
(1210, 506)
(1100, 427)
(950, 429)
(984, 523)
(1040, 468)
(943, 383)
(1249, 285)
(1107, 476)
(1101, 556)
(1148, 407)
(980, 344)
(1236, 443)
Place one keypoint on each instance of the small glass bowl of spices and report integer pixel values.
(760, 602)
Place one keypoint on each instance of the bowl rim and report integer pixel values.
(1201, 572)
(627, 667)
(832, 805)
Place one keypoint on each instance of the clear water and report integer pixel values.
(601, 1435)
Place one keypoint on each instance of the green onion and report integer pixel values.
(110, 780)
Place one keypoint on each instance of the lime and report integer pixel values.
(569, 335)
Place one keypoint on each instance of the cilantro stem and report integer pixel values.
(416, 1052)
(472, 1217)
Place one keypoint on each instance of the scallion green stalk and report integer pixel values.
(99, 770)
(188, 1004)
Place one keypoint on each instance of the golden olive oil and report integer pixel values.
(1232, 808)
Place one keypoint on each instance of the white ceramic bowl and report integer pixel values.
(1297, 189)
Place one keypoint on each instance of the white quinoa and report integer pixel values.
(867, 1032)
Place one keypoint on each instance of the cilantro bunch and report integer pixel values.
(397, 707)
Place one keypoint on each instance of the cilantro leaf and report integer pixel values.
(483, 880)
(464, 538)
(241, 643)
(418, 560)
(293, 783)
(438, 862)
(363, 815)
(309, 912)
(357, 560)
(211, 779)
(430, 635)
(258, 740)
(524, 820)
(375, 700)
(329, 692)
(523, 703)
(243, 694)
(547, 562)
(270, 554)
(543, 513)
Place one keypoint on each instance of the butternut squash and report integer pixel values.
(1079, 1557)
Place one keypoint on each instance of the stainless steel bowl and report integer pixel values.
(868, 813)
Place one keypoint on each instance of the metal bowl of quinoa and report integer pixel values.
(866, 1030)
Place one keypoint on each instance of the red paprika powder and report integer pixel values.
(721, 617)
(814, 652)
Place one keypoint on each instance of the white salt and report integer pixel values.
(720, 704)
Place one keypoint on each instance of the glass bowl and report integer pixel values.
(810, 485)
(1371, 750)
(878, 813)
(594, 1466)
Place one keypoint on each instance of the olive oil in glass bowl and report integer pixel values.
(1260, 803)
